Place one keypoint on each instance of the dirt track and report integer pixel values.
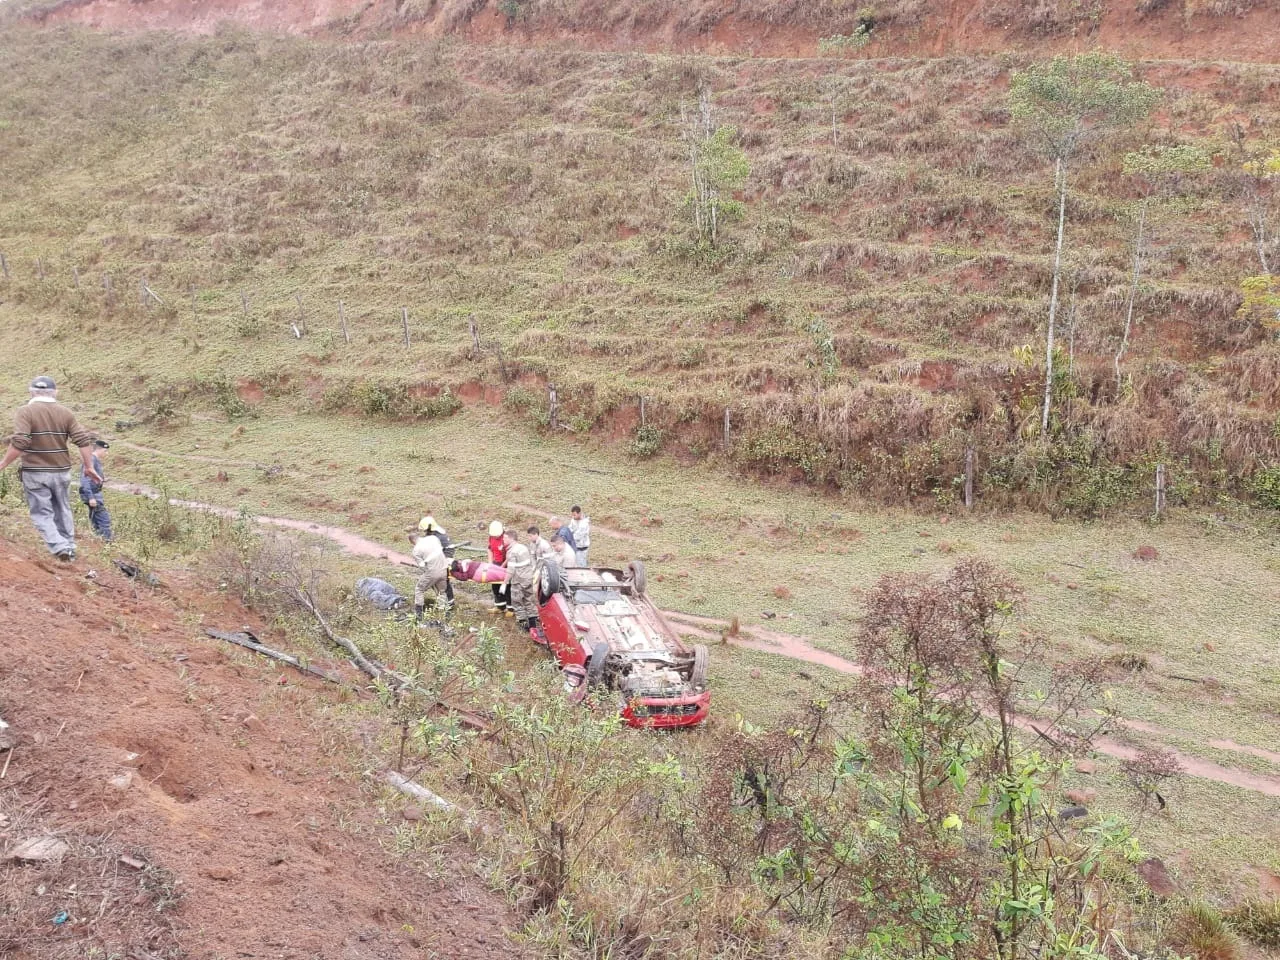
(236, 797)
(780, 644)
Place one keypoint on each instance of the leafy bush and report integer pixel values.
(780, 448)
(1265, 486)
(227, 399)
(647, 441)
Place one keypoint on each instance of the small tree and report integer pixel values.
(1063, 105)
(1257, 169)
(718, 167)
(1261, 300)
(1159, 171)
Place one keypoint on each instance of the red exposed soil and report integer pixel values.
(250, 392)
(236, 800)
(959, 27)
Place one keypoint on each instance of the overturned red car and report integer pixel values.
(599, 624)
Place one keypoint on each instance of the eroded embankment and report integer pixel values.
(755, 28)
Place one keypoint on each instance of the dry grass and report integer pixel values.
(539, 193)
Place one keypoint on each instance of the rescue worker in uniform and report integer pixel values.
(498, 555)
(520, 584)
(427, 526)
(429, 555)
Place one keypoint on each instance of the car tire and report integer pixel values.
(595, 666)
(639, 582)
(548, 583)
(701, 661)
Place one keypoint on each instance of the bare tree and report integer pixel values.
(1160, 171)
(1064, 104)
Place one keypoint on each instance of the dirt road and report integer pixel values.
(768, 641)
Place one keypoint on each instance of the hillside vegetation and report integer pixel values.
(877, 308)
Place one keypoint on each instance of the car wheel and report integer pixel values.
(548, 583)
(595, 666)
(701, 660)
(639, 582)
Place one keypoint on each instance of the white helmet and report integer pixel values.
(495, 528)
(427, 524)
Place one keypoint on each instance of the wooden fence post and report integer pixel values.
(4, 265)
(553, 407)
(726, 428)
(195, 310)
(968, 478)
(75, 275)
(40, 267)
(404, 317)
(106, 288)
(475, 336)
(1159, 489)
(302, 317)
(342, 319)
(642, 412)
(142, 293)
(244, 304)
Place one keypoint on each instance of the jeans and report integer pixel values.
(101, 521)
(49, 500)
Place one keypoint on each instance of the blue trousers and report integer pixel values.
(101, 520)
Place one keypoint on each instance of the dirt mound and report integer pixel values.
(764, 28)
(209, 804)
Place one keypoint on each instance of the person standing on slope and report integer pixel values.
(91, 493)
(520, 581)
(580, 526)
(428, 527)
(564, 533)
(566, 557)
(429, 555)
(41, 430)
(498, 555)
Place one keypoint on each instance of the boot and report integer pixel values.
(417, 612)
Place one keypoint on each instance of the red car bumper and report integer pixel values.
(653, 713)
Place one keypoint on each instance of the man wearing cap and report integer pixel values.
(41, 430)
(91, 493)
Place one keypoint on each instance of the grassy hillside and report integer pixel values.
(878, 308)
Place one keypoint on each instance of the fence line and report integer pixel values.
(148, 296)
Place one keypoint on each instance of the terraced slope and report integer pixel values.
(878, 309)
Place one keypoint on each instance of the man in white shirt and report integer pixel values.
(565, 555)
(429, 555)
(580, 527)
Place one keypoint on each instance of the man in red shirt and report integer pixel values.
(498, 555)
